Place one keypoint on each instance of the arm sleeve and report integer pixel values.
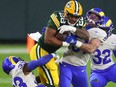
(41, 61)
(54, 20)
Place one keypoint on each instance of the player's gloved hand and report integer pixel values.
(71, 39)
(57, 57)
(64, 28)
(58, 61)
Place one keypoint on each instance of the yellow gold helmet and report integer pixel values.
(73, 7)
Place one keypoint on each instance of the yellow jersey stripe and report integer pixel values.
(55, 20)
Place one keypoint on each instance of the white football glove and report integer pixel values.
(57, 57)
(35, 36)
(58, 61)
(64, 28)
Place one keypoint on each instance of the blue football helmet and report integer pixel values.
(107, 25)
(9, 63)
(96, 11)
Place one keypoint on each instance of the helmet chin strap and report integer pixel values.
(91, 21)
(72, 24)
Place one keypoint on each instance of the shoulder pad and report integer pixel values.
(97, 33)
(56, 18)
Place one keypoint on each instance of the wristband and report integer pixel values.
(78, 44)
(65, 44)
(53, 54)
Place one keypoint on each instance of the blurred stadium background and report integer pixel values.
(20, 17)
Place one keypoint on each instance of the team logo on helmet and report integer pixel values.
(73, 7)
(68, 5)
(107, 25)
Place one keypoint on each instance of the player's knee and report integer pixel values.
(95, 83)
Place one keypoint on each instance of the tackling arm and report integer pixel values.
(82, 33)
(97, 36)
(86, 47)
(90, 47)
(36, 63)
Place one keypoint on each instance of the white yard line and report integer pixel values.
(22, 50)
(13, 50)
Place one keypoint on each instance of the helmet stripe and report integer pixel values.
(108, 23)
(101, 13)
(76, 7)
(80, 11)
(11, 60)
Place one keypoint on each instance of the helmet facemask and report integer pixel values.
(94, 17)
(72, 19)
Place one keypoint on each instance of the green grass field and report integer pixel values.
(20, 50)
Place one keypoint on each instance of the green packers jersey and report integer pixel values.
(55, 21)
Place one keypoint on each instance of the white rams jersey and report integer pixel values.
(97, 33)
(77, 57)
(102, 57)
(21, 80)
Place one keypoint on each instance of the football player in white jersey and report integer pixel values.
(103, 66)
(75, 59)
(21, 71)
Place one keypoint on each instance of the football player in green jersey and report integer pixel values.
(48, 43)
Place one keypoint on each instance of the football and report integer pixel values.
(62, 37)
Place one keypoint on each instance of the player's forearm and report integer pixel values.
(82, 33)
(88, 48)
(50, 38)
(41, 61)
(53, 41)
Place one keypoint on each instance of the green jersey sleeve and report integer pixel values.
(54, 20)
